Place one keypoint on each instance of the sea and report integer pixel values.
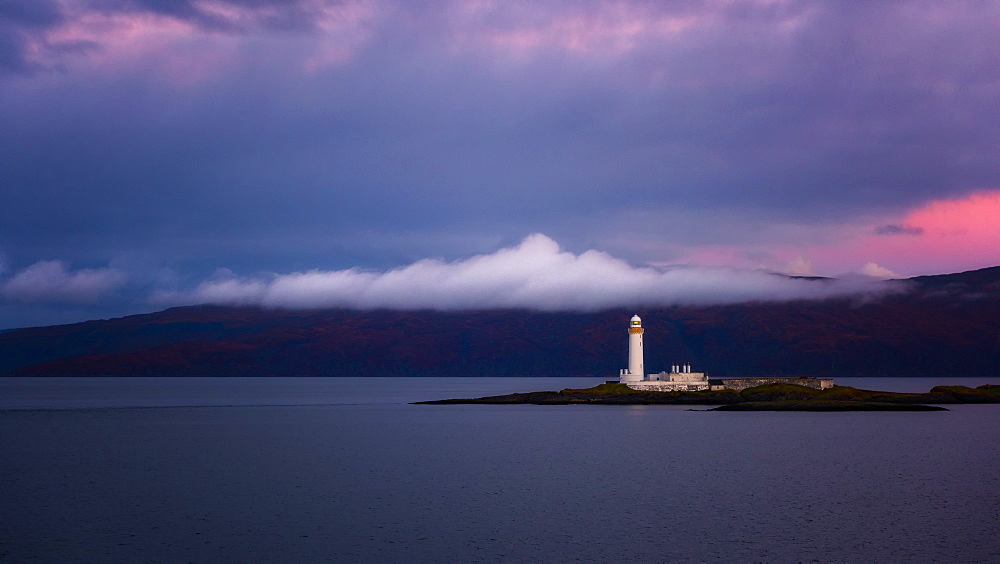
(347, 470)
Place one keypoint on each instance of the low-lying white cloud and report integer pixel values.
(876, 271)
(535, 274)
(800, 266)
(52, 281)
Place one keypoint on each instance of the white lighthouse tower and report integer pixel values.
(635, 371)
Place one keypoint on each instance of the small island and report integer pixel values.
(683, 386)
(767, 397)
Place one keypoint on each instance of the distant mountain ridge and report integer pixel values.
(944, 325)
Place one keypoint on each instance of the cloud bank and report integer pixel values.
(52, 282)
(534, 274)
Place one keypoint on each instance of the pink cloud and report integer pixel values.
(963, 232)
(611, 30)
(181, 54)
(942, 236)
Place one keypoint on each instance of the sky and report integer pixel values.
(556, 155)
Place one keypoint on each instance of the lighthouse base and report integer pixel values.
(667, 381)
(660, 386)
(626, 377)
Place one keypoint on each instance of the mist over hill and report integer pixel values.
(947, 325)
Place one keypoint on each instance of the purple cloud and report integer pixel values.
(32, 32)
(288, 136)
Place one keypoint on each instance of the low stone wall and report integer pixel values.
(658, 386)
(736, 384)
(740, 384)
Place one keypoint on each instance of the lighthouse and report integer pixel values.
(635, 371)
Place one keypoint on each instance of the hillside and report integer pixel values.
(946, 325)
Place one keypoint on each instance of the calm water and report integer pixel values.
(344, 469)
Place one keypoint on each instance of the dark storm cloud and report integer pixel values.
(25, 24)
(20, 20)
(243, 14)
(287, 136)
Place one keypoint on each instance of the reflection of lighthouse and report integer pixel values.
(635, 371)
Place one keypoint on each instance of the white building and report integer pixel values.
(680, 377)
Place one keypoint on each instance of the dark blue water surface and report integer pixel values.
(344, 469)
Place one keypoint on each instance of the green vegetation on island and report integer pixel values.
(768, 397)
